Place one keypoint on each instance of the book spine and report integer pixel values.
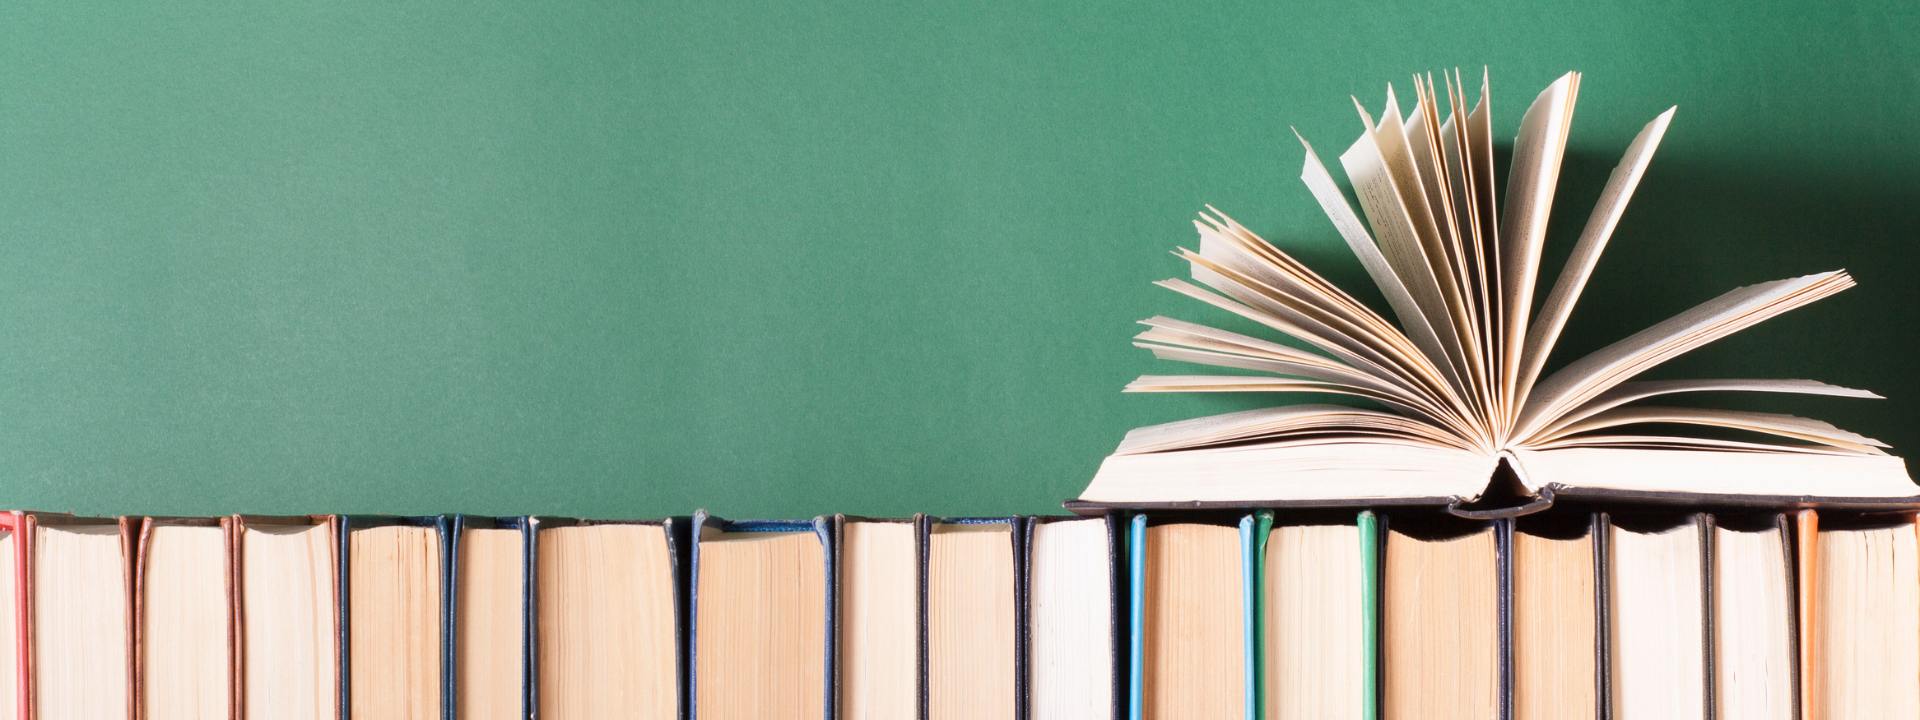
(1371, 528)
(1807, 549)
(923, 549)
(1704, 524)
(1603, 613)
(1257, 661)
(1503, 579)
(1784, 529)
(1249, 617)
(132, 545)
(342, 602)
(1117, 609)
(1136, 602)
(1022, 617)
(449, 528)
(530, 621)
(823, 530)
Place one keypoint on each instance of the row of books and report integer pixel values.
(1305, 614)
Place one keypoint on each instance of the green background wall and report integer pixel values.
(626, 259)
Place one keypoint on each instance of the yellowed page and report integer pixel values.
(1412, 320)
(1587, 377)
(1523, 231)
(1393, 224)
(1633, 391)
(1542, 334)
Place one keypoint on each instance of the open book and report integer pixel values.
(1458, 381)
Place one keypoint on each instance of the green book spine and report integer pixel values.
(1370, 615)
(1257, 659)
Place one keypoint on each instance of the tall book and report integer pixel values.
(1557, 632)
(1659, 596)
(72, 581)
(609, 618)
(393, 617)
(1076, 622)
(1755, 673)
(975, 609)
(882, 588)
(184, 626)
(1455, 385)
(762, 619)
(489, 609)
(1859, 613)
(14, 683)
(1194, 616)
(1443, 626)
(1319, 621)
(287, 616)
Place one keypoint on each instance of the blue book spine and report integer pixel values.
(1136, 644)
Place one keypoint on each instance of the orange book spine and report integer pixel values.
(1808, 524)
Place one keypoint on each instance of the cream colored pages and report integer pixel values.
(606, 609)
(1797, 428)
(970, 623)
(1298, 470)
(1554, 628)
(1315, 654)
(1251, 424)
(1440, 634)
(489, 618)
(9, 642)
(394, 623)
(80, 623)
(1322, 316)
(1715, 471)
(1423, 145)
(1588, 377)
(1418, 329)
(1392, 221)
(1070, 621)
(879, 621)
(1195, 638)
(1257, 274)
(1627, 392)
(1397, 159)
(761, 622)
(1657, 625)
(1868, 624)
(1542, 334)
(1226, 349)
(184, 638)
(1523, 230)
(1752, 626)
(290, 660)
(1479, 144)
(1247, 304)
(1229, 271)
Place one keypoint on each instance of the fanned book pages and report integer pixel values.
(1454, 384)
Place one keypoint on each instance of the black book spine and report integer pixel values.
(1503, 577)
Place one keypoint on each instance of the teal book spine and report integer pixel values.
(1370, 615)
(1136, 623)
(1256, 596)
(1249, 614)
